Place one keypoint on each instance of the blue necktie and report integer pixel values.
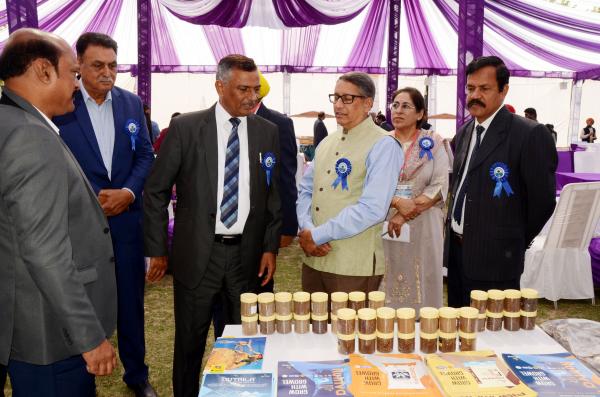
(460, 199)
(229, 204)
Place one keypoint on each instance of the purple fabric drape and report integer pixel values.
(163, 50)
(393, 53)
(298, 13)
(106, 18)
(564, 178)
(299, 46)
(424, 47)
(368, 48)
(595, 254)
(565, 161)
(58, 16)
(224, 41)
(229, 13)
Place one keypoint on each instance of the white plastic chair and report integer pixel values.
(558, 265)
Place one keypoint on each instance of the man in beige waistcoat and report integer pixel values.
(345, 195)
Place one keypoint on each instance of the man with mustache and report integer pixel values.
(503, 189)
(57, 279)
(225, 162)
(107, 133)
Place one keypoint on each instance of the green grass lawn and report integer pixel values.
(160, 328)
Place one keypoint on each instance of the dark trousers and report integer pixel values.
(460, 286)
(130, 271)
(65, 378)
(318, 281)
(224, 277)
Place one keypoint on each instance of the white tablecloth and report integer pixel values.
(587, 161)
(313, 347)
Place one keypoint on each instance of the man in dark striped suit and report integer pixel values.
(503, 190)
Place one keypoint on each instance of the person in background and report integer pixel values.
(530, 113)
(510, 108)
(319, 129)
(107, 135)
(552, 132)
(152, 126)
(588, 133)
(413, 274)
(162, 135)
(345, 195)
(382, 122)
(504, 189)
(58, 300)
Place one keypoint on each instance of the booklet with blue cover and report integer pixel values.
(245, 384)
(236, 354)
(313, 378)
(554, 375)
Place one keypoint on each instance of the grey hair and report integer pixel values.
(363, 81)
(234, 61)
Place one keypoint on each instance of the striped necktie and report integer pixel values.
(229, 203)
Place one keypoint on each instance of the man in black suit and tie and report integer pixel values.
(503, 191)
(224, 161)
(319, 129)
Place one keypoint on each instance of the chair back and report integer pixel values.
(575, 216)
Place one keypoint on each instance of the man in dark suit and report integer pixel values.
(224, 161)
(57, 280)
(107, 134)
(319, 129)
(504, 189)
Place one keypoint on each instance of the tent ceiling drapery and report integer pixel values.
(536, 38)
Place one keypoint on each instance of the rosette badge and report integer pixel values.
(426, 144)
(268, 163)
(132, 128)
(499, 173)
(343, 168)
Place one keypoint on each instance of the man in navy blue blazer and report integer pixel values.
(107, 133)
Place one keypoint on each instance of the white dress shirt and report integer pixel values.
(485, 124)
(224, 127)
(50, 123)
(103, 122)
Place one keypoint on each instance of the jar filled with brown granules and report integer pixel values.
(529, 305)
(266, 304)
(376, 299)
(512, 309)
(339, 300)
(386, 317)
(468, 328)
(248, 304)
(495, 310)
(283, 323)
(283, 303)
(267, 324)
(357, 300)
(301, 302)
(250, 325)
(406, 329)
(346, 330)
(428, 335)
(479, 301)
(447, 333)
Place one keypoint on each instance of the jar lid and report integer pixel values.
(405, 313)
(366, 314)
(357, 296)
(469, 312)
(386, 312)
(479, 295)
(448, 312)
(301, 296)
(283, 297)
(266, 297)
(429, 312)
(529, 293)
(376, 296)
(248, 297)
(512, 294)
(318, 297)
(346, 314)
(496, 294)
(339, 296)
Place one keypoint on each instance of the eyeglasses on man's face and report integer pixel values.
(401, 107)
(347, 99)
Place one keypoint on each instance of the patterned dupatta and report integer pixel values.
(412, 161)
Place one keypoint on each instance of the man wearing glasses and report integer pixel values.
(345, 195)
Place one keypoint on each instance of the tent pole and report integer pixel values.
(470, 46)
(21, 14)
(576, 90)
(393, 53)
(287, 85)
(432, 86)
(144, 67)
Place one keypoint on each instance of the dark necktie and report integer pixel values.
(460, 198)
(229, 204)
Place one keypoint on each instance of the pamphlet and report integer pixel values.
(236, 354)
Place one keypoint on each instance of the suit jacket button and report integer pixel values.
(329, 171)
(112, 259)
(316, 208)
(320, 189)
(106, 230)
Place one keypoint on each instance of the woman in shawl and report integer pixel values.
(413, 276)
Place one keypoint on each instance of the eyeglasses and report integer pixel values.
(401, 107)
(347, 99)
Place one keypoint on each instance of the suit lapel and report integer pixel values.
(209, 132)
(493, 137)
(253, 155)
(122, 141)
(461, 153)
(85, 123)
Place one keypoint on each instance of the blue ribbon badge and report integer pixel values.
(426, 144)
(342, 169)
(268, 163)
(499, 173)
(132, 128)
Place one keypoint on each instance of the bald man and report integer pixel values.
(57, 279)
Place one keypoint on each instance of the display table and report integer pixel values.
(564, 178)
(313, 347)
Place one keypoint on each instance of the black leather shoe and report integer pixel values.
(144, 389)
